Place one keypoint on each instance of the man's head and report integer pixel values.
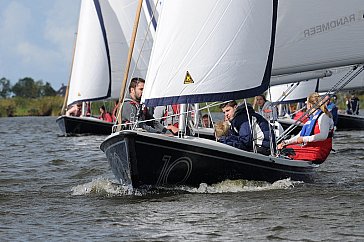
(229, 110)
(136, 88)
(260, 100)
(205, 121)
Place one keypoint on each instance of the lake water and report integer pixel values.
(56, 188)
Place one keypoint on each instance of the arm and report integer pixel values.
(129, 112)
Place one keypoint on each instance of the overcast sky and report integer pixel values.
(36, 39)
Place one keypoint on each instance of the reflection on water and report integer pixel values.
(61, 188)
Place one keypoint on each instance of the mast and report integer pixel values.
(126, 73)
(69, 78)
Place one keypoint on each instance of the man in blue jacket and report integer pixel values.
(248, 128)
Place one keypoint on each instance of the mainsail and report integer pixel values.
(211, 51)
(316, 35)
(102, 47)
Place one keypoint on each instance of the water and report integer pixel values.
(55, 188)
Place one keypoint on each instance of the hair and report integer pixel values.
(232, 103)
(103, 108)
(221, 129)
(315, 99)
(263, 96)
(134, 82)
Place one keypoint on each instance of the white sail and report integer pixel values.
(315, 35)
(102, 46)
(210, 50)
(90, 63)
(326, 84)
(293, 92)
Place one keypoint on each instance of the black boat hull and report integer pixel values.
(350, 122)
(70, 125)
(139, 158)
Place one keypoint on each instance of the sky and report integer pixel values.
(37, 38)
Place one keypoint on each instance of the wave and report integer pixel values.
(232, 186)
(105, 187)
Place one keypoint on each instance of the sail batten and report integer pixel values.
(221, 52)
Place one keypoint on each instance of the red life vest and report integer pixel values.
(313, 151)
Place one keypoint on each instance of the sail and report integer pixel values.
(294, 92)
(326, 84)
(102, 45)
(91, 61)
(211, 51)
(315, 35)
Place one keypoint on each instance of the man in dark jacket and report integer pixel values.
(241, 135)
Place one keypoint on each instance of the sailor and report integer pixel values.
(168, 116)
(331, 106)
(131, 108)
(314, 142)
(355, 104)
(265, 108)
(240, 133)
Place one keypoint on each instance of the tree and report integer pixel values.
(26, 87)
(5, 87)
(47, 90)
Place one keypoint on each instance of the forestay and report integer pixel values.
(211, 51)
(102, 45)
(314, 35)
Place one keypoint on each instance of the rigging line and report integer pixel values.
(272, 150)
(289, 90)
(250, 124)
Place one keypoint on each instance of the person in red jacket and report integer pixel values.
(314, 142)
(105, 116)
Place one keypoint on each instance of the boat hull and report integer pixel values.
(70, 125)
(139, 158)
(350, 122)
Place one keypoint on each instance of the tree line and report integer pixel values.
(26, 87)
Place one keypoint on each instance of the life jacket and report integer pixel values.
(313, 151)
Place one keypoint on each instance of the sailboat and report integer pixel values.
(214, 51)
(297, 92)
(100, 54)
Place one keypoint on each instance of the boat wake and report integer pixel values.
(232, 186)
(105, 187)
(102, 186)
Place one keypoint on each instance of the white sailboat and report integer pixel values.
(337, 81)
(217, 51)
(101, 52)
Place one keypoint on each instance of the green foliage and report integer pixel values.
(19, 106)
(5, 88)
(7, 107)
(28, 88)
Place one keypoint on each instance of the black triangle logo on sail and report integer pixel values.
(188, 79)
